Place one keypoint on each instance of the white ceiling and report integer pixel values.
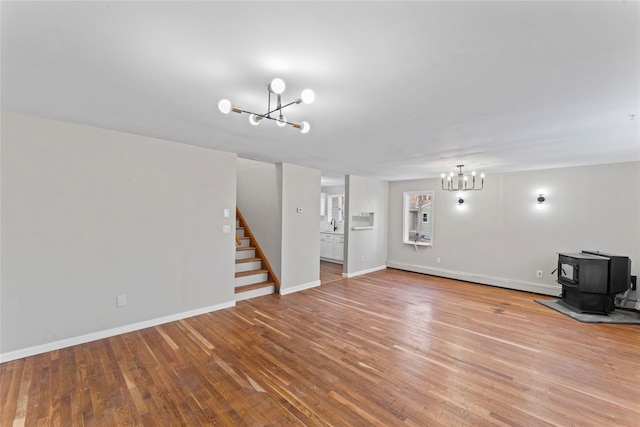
(403, 89)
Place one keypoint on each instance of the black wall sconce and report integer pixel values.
(541, 199)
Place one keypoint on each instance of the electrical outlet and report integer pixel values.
(121, 300)
(539, 274)
(226, 229)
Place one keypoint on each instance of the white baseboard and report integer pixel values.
(285, 291)
(335, 261)
(518, 285)
(361, 272)
(82, 339)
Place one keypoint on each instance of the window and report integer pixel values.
(335, 209)
(418, 218)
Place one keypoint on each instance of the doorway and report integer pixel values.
(330, 272)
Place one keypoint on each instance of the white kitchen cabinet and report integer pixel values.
(332, 246)
(326, 246)
(338, 248)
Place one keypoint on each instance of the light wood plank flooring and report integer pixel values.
(330, 272)
(389, 348)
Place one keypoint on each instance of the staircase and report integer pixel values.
(254, 276)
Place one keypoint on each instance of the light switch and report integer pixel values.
(226, 213)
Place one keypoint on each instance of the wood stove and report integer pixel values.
(591, 279)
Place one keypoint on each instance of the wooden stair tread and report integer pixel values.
(252, 286)
(248, 243)
(242, 261)
(251, 272)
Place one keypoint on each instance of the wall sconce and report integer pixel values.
(460, 199)
(541, 199)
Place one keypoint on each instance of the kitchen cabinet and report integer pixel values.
(326, 246)
(332, 246)
(338, 248)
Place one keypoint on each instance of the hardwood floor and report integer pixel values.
(388, 348)
(330, 272)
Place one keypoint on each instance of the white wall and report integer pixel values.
(89, 214)
(300, 230)
(259, 198)
(501, 237)
(366, 250)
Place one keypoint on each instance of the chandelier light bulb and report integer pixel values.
(305, 127)
(254, 120)
(224, 106)
(308, 96)
(277, 86)
(282, 120)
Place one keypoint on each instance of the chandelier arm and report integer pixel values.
(291, 103)
(278, 109)
(268, 113)
(474, 184)
(266, 116)
(281, 121)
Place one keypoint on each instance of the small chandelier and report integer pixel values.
(462, 183)
(276, 87)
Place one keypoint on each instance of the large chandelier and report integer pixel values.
(462, 181)
(276, 87)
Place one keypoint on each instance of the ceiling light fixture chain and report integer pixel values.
(462, 182)
(276, 87)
